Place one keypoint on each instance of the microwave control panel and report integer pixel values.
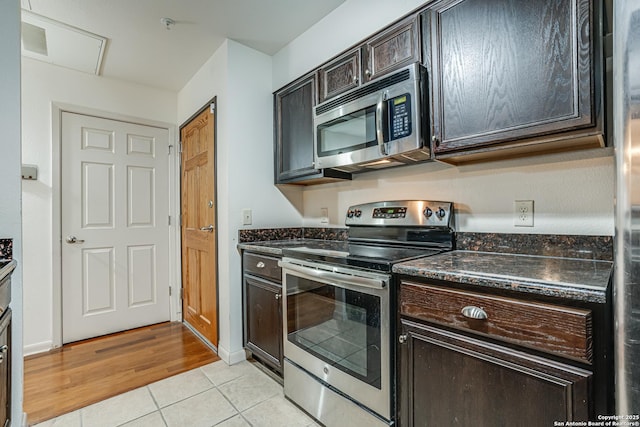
(400, 116)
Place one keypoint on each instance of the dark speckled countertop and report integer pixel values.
(578, 279)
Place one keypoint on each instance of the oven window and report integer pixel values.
(337, 325)
(350, 132)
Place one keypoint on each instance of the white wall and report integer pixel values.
(10, 222)
(572, 193)
(42, 85)
(240, 78)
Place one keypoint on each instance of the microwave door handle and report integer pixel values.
(380, 124)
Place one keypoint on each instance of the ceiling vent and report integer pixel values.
(56, 43)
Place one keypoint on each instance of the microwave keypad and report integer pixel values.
(400, 116)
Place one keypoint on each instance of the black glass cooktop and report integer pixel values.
(370, 257)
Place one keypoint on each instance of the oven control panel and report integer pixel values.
(390, 212)
(402, 213)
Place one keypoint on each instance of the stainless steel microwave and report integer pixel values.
(380, 124)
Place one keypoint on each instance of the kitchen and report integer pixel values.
(573, 192)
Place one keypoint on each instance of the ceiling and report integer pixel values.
(140, 49)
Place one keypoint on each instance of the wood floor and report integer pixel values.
(82, 373)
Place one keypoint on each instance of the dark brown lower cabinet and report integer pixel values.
(449, 379)
(5, 368)
(263, 320)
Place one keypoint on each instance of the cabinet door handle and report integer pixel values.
(278, 296)
(473, 312)
(402, 339)
(260, 264)
(208, 228)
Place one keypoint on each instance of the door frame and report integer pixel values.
(175, 273)
(213, 101)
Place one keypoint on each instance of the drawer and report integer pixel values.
(262, 265)
(564, 331)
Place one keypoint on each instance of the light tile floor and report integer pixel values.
(218, 395)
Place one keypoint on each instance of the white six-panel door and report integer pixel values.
(115, 233)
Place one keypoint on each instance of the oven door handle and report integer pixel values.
(335, 278)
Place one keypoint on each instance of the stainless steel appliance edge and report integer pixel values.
(626, 106)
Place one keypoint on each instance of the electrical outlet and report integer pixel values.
(523, 213)
(324, 216)
(246, 216)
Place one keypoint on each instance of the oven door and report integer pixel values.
(337, 329)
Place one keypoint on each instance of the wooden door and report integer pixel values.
(199, 259)
(115, 232)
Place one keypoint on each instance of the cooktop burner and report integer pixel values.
(384, 233)
(370, 257)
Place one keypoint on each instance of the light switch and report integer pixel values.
(324, 216)
(246, 216)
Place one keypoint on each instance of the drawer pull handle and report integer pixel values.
(473, 312)
(260, 264)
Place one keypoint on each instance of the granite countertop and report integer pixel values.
(275, 247)
(578, 279)
(6, 267)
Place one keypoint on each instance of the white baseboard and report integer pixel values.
(231, 358)
(237, 357)
(39, 347)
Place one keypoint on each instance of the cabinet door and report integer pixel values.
(448, 379)
(263, 320)
(5, 369)
(393, 48)
(294, 132)
(340, 75)
(505, 70)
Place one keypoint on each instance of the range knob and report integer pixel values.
(440, 213)
(358, 213)
(428, 212)
(350, 213)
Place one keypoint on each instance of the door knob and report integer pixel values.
(73, 239)
(208, 228)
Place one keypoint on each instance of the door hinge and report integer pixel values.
(212, 108)
(170, 292)
(169, 222)
(181, 293)
(169, 150)
(180, 147)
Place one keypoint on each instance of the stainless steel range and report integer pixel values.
(339, 305)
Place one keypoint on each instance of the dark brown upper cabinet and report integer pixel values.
(340, 75)
(293, 109)
(393, 48)
(508, 74)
